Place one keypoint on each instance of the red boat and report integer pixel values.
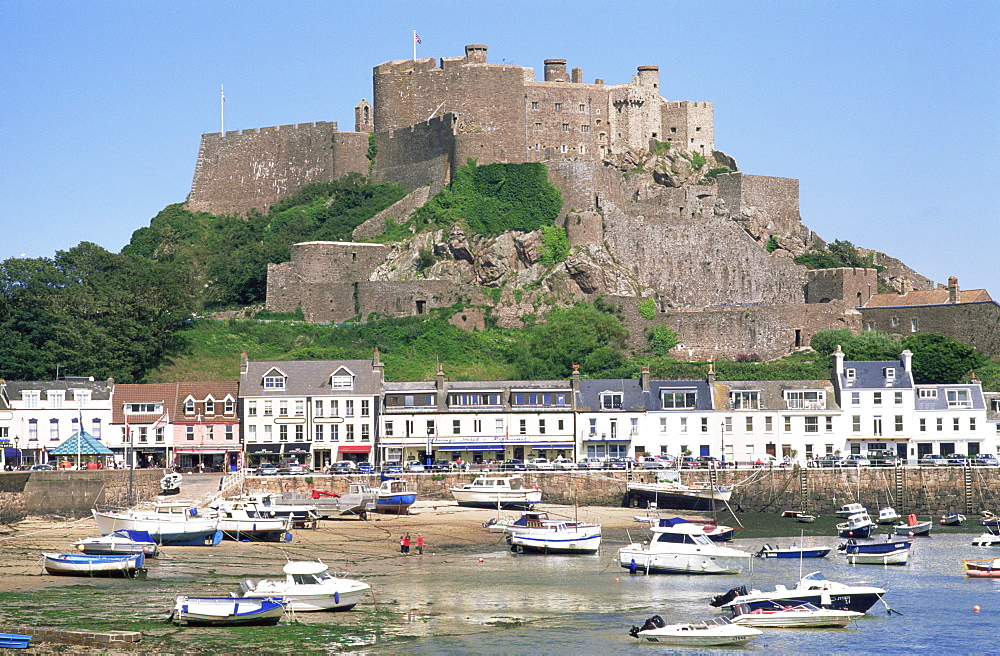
(982, 569)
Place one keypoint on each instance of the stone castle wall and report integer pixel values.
(417, 156)
(848, 286)
(254, 169)
(974, 323)
(412, 297)
(763, 205)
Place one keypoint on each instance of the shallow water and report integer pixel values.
(573, 604)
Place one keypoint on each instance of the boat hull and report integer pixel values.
(669, 497)
(898, 557)
(339, 600)
(675, 635)
(183, 532)
(228, 611)
(987, 540)
(505, 499)
(395, 503)
(556, 544)
(84, 565)
(792, 619)
(921, 528)
(118, 544)
(837, 600)
(636, 558)
(793, 553)
(981, 569)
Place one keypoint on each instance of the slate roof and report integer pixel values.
(871, 375)
(703, 400)
(100, 390)
(941, 401)
(772, 392)
(588, 399)
(172, 396)
(310, 378)
(927, 297)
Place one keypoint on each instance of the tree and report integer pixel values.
(662, 339)
(873, 345)
(549, 349)
(825, 342)
(941, 359)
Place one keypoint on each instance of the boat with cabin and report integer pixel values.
(359, 499)
(813, 589)
(857, 526)
(393, 496)
(496, 491)
(308, 586)
(982, 569)
(558, 537)
(849, 509)
(119, 543)
(680, 547)
(793, 617)
(888, 515)
(669, 493)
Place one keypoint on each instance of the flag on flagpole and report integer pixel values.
(162, 421)
(416, 37)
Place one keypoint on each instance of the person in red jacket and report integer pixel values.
(420, 545)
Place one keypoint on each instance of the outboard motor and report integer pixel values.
(246, 586)
(654, 622)
(721, 600)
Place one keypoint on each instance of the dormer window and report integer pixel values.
(889, 373)
(56, 398)
(30, 398)
(611, 401)
(850, 374)
(189, 407)
(745, 400)
(82, 397)
(274, 382)
(210, 406)
(342, 379)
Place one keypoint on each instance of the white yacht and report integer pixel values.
(308, 586)
(493, 491)
(558, 538)
(681, 547)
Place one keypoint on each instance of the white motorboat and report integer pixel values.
(895, 557)
(857, 526)
(680, 547)
(121, 542)
(357, 501)
(675, 495)
(813, 589)
(715, 631)
(849, 509)
(178, 524)
(888, 515)
(171, 483)
(308, 586)
(558, 538)
(228, 611)
(789, 617)
(496, 491)
(239, 522)
(987, 540)
(270, 506)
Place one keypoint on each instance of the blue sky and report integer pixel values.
(884, 111)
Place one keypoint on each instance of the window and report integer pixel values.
(523, 426)
(871, 325)
(563, 148)
(788, 423)
(251, 408)
(283, 433)
(318, 432)
(889, 373)
(611, 401)
(342, 382)
(913, 325)
(349, 432)
(534, 105)
(565, 127)
(954, 423)
(897, 398)
(581, 149)
(704, 424)
(745, 400)
(855, 398)
(141, 408)
(388, 429)
(804, 400)
(584, 128)
(252, 433)
(430, 427)
(498, 427)
(143, 435)
(684, 424)
(366, 408)
(30, 399)
(923, 425)
(829, 424)
(334, 433)
(477, 426)
(158, 437)
(812, 424)
(282, 408)
(230, 407)
(541, 426)
(959, 398)
(300, 408)
(267, 409)
(679, 400)
(561, 425)
(856, 423)
(940, 424)
(82, 397)
(456, 426)
(189, 407)
(894, 321)
(972, 423)
(749, 423)
(56, 399)
(877, 398)
(491, 398)
(334, 408)
(53, 429)
(209, 407)
(274, 382)
(850, 374)
(768, 425)
(877, 426)
(928, 393)
(33, 429)
(581, 107)
(268, 433)
(318, 408)
(365, 435)
(95, 428)
(300, 433)
(558, 107)
(538, 126)
(898, 423)
(348, 407)
(634, 422)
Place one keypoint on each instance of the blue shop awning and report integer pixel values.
(470, 447)
(552, 445)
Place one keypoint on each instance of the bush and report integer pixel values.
(555, 245)
(647, 308)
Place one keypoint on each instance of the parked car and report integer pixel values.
(392, 467)
(442, 465)
(512, 465)
(958, 460)
(933, 460)
(985, 460)
(539, 463)
(621, 463)
(831, 461)
(414, 466)
(710, 462)
(857, 460)
(652, 463)
(293, 469)
(885, 458)
(591, 463)
(42, 467)
(267, 470)
(667, 460)
(342, 467)
(365, 468)
(563, 463)
(690, 462)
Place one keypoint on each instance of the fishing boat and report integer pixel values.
(876, 553)
(119, 543)
(982, 569)
(888, 515)
(680, 547)
(494, 491)
(768, 551)
(171, 483)
(357, 501)
(269, 506)
(675, 495)
(987, 540)
(849, 509)
(558, 538)
(393, 496)
(856, 526)
(792, 617)
(176, 524)
(239, 522)
(806, 519)
(913, 527)
(952, 519)
(128, 565)
(813, 589)
(308, 586)
(228, 611)
(526, 521)
(707, 633)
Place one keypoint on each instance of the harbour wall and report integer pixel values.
(72, 494)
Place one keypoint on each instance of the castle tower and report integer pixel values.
(555, 70)
(475, 53)
(363, 121)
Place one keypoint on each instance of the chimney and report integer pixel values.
(953, 289)
(711, 373)
(906, 357)
(575, 379)
(244, 363)
(577, 75)
(442, 406)
(555, 70)
(838, 362)
(644, 377)
(904, 286)
(475, 54)
(378, 367)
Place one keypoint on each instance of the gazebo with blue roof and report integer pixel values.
(80, 444)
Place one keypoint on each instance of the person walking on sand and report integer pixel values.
(420, 545)
(402, 549)
(406, 545)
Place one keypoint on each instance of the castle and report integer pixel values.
(651, 209)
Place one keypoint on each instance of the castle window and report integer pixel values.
(565, 127)
(895, 321)
(584, 128)
(583, 107)
(563, 148)
(534, 105)
(597, 111)
(538, 146)
(674, 130)
(598, 121)
(913, 325)
(697, 130)
(558, 107)
(871, 325)
(582, 149)
(538, 126)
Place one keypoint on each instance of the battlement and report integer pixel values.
(274, 128)
(850, 286)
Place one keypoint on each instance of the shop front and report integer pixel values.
(262, 454)
(206, 460)
(353, 452)
(296, 452)
(553, 450)
(472, 452)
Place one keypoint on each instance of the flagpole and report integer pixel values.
(414, 45)
(222, 107)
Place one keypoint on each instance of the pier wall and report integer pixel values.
(72, 494)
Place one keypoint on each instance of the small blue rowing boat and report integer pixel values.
(768, 551)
